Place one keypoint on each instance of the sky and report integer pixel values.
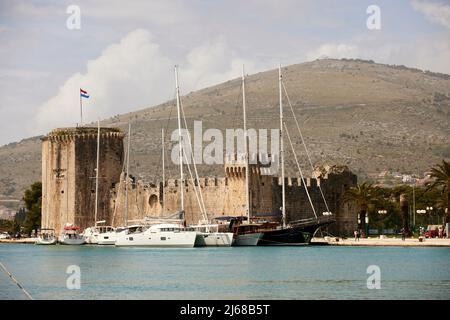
(124, 52)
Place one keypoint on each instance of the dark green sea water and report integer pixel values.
(312, 272)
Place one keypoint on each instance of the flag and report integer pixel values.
(83, 93)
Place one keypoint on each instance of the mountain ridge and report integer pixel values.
(371, 117)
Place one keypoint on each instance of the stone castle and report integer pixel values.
(68, 183)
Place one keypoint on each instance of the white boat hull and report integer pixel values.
(108, 238)
(71, 241)
(184, 239)
(92, 239)
(41, 241)
(214, 239)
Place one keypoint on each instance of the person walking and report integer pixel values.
(403, 234)
(355, 233)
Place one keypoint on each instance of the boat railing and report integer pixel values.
(308, 221)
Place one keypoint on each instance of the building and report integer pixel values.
(68, 175)
(68, 171)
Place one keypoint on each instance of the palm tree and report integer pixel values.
(441, 175)
(363, 195)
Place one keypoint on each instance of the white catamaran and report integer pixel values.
(160, 232)
(207, 234)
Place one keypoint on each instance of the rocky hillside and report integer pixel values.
(368, 116)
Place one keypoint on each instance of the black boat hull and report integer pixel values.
(292, 236)
(286, 237)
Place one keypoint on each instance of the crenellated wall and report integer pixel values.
(68, 182)
(226, 196)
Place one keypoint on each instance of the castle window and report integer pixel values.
(152, 200)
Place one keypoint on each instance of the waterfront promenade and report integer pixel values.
(396, 242)
(335, 241)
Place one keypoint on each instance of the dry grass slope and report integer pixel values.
(369, 116)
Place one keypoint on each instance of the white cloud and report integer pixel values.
(126, 75)
(135, 73)
(435, 12)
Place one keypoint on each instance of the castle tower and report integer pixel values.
(260, 184)
(69, 159)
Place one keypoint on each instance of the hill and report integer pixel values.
(368, 116)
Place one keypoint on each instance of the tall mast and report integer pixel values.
(97, 172)
(283, 206)
(163, 172)
(179, 136)
(127, 171)
(247, 198)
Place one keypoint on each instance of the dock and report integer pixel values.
(384, 242)
(19, 241)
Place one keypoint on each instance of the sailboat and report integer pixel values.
(109, 237)
(245, 232)
(208, 234)
(163, 234)
(299, 232)
(46, 237)
(92, 234)
(71, 235)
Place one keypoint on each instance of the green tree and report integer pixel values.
(441, 175)
(363, 195)
(11, 226)
(32, 199)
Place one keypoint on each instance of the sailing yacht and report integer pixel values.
(211, 235)
(208, 234)
(71, 236)
(163, 234)
(245, 233)
(46, 237)
(297, 232)
(268, 233)
(159, 235)
(91, 234)
(97, 234)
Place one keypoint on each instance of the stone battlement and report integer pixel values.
(69, 164)
(297, 181)
(68, 134)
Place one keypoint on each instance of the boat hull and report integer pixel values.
(247, 239)
(214, 239)
(157, 240)
(92, 239)
(295, 235)
(71, 241)
(285, 237)
(40, 241)
(108, 238)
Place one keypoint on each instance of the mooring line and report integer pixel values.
(16, 282)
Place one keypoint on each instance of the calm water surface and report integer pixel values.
(313, 272)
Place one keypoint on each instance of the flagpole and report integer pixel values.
(81, 110)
